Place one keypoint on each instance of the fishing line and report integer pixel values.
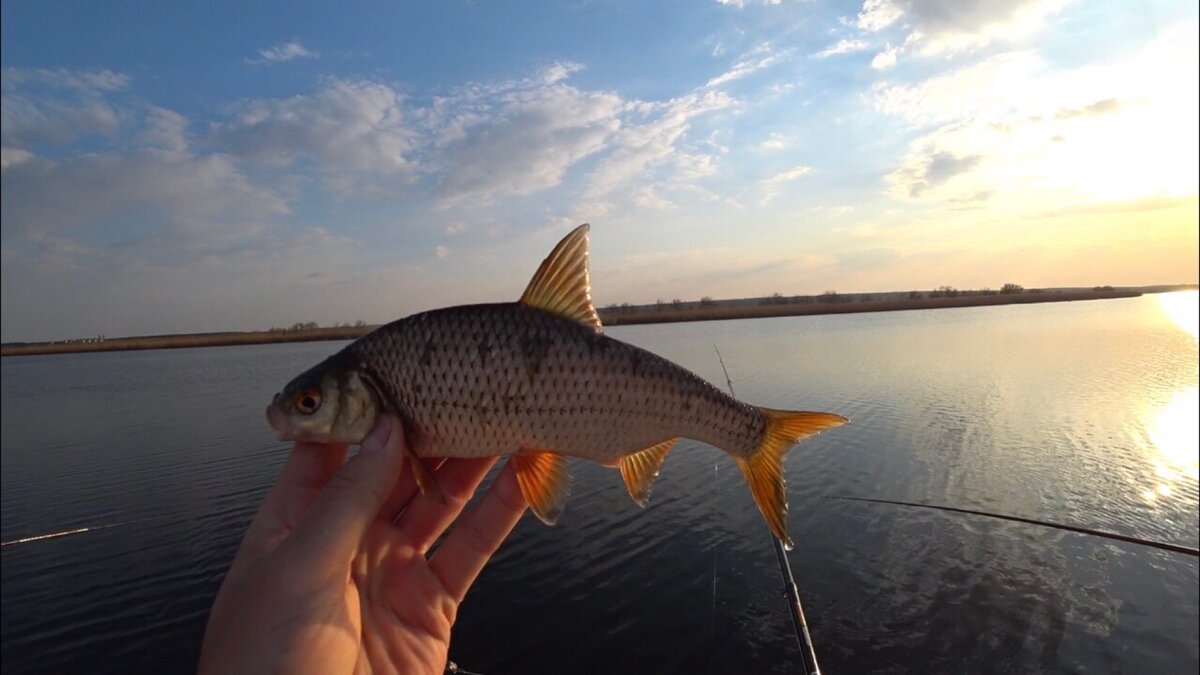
(1175, 548)
(790, 592)
(712, 624)
(80, 530)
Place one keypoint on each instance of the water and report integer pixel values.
(1082, 413)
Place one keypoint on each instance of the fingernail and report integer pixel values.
(377, 440)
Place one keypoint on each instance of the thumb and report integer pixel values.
(356, 493)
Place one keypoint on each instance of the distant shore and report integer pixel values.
(676, 311)
(719, 312)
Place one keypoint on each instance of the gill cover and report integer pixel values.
(345, 409)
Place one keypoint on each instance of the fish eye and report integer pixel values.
(309, 402)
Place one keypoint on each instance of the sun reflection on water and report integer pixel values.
(1174, 429)
(1176, 435)
(1184, 309)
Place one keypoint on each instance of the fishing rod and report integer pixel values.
(1175, 548)
(790, 592)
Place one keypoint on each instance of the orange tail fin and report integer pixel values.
(764, 468)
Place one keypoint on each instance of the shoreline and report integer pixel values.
(767, 311)
(720, 310)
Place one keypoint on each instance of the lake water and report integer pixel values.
(1079, 413)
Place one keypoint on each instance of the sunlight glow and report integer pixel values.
(1176, 435)
(1184, 309)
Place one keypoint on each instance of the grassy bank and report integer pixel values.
(187, 340)
(611, 316)
(723, 311)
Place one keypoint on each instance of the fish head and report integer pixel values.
(326, 404)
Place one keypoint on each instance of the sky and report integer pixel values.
(190, 167)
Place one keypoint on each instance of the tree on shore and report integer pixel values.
(1011, 288)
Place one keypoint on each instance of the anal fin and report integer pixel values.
(545, 482)
(639, 469)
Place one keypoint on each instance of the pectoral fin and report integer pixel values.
(416, 441)
(641, 468)
(426, 483)
(544, 481)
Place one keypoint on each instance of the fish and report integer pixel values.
(538, 381)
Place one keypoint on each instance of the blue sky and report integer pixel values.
(180, 167)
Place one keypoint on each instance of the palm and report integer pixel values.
(316, 590)
(404, 611)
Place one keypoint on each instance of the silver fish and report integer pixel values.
(538, 380)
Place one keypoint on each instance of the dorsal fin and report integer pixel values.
(561, 284)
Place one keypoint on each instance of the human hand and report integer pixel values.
(332, 575)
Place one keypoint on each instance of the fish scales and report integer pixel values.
(537, 380)
(496, 379)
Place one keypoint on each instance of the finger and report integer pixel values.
(426, 518)
(307, 471)
(405, 490)
(478, 535)
(309, 467)
(351, 500)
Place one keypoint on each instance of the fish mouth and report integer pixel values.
(277, 419)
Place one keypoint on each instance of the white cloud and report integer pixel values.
(89, 81)
(878, 14)
(149, 191)
(990, 87)
(771, 187)
(933, 168)
(45, 106)
(1011, 126)
(653, 142)
(843, 46)
(741, 4)
(647, 197)
(774, 142)
(281, 53)
(760, 57)
(478, 143)
(519, 137)
(933, 27)
(348, 126)
(441, 252)
(523, 139)
(886, 58)
(13, 156)
(165, 129)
